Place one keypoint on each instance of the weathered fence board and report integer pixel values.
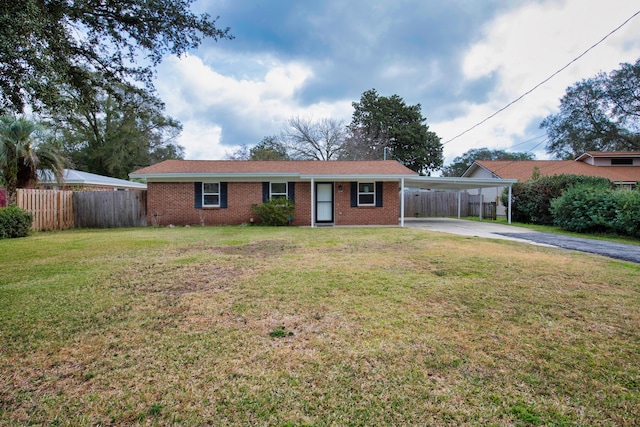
(110, 209)
(51, 209)
(435, 203)
(445, 203)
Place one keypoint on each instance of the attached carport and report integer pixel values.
(453, 184)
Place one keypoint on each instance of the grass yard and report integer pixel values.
(294, 327)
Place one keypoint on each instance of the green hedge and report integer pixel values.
(589, 209)
(531, 200)
(277, 211)
(14, 222)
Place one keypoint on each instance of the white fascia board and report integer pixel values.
(354, 177)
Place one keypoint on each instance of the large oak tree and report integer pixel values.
(597, 114)
(89, 45)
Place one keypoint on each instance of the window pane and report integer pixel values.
(366, 187)
(211, 200)
(365, 199)
(211, 187)
(278, 188)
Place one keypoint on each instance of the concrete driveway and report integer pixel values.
(468, 228)
(501, 231)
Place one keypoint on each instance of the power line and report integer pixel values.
(527, 141)
(545, 80)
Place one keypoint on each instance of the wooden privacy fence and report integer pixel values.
(110, 209)
(51, 209)
(445, 203)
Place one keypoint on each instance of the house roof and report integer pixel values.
(73, 177)
(303, 169)
(379, 170)
(522, 170)
(608, 154)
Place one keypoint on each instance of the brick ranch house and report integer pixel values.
(221, 192)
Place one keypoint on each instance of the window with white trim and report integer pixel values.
(211, 194)
(278, 190)
(366, 194)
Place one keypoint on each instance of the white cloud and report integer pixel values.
(523, 47)
(205, 101)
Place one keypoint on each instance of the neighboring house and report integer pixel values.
(85, 181)
(221, 192)
(623, 168)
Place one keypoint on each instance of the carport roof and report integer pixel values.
(455, 183)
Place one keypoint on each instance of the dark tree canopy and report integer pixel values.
(269, 149)
(598, 114)
(89, 45)
(461, 163)
(380, 122)
(114, 135)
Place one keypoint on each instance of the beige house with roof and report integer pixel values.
(622, 168)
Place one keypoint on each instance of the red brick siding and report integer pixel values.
(173, 203)
(388, 214)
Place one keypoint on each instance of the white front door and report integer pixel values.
(324, 202)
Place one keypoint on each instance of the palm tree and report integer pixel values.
(22, 156)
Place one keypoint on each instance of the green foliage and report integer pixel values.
(115, 134)
(461, 163)
(277, 211)
(586, 208)
(22, 155)
(279, 332)
(14, 222)
(380, 122)
(269, 149)
(48, 46)
(597, 114)
(531, 200)
(628, 220)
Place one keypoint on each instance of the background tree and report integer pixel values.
(380, 121)
(22, 156)
(306, 139)
(461, 163)
(598, 114)
(89, 45)
(241, 153)
(269, 149)
(117, 132)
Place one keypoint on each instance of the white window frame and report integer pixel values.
(367, 193)
(273, 194)
(210, 193)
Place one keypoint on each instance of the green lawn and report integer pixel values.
(331, 326)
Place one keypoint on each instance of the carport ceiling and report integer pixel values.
(456, 184)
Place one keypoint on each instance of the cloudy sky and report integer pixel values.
(462, 60)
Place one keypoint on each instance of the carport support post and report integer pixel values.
(480, 191)
(401, 200)
(459, 202)
(509, 209)
(313, 198)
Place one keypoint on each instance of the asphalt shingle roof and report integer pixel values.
(304, 167)
(522, 170)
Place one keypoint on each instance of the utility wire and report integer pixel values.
(545, 80)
